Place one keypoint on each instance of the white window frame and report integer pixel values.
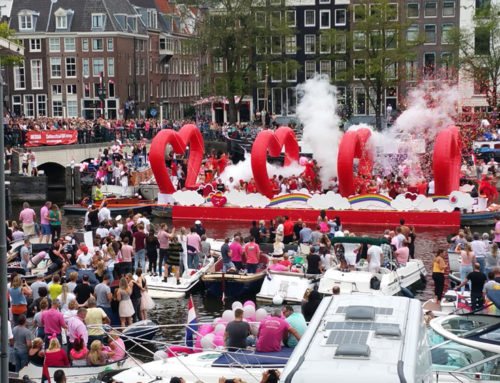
(435, 34)
(102, 45)
(397, 11)
(56, 89)
(306, 51)
(344, 38)
(33, 105)
(258, 14)
(96, 60)
(343, 64)
(287, 12)
(425, 7)
(41, 99)
(37, 43)
(356, 37)
(71, 105)
(328, 46)
(67, 64)
(305, 18)
(444, 26)
(111, 66)
(345, 17)
(71, 89)
(291, 76)
(59, 105)
(321, 12)
(55, 61)
(443, 8)
(95, 18)
(408, 8)
(327, 63)
(85, 67)
(354, 69)
(20, 77)
(54, 47)
(68, 49)
(62, 21)
(85, 45)
(412, 28)
(274, 65)
(291, 44)
(273, 39)
(110, 45)
(306, 69)
(355, 104)
(25, 21)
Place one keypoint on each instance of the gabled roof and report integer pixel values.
(164, 6)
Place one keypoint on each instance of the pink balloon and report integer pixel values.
(252, 318)
(220, 320)
(197, 343)
(205, 329)
(219, 341)
(249, 303)
(303, 160)
(219, 333)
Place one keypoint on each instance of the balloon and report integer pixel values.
(205, 329)
(219, 333)
(354, 144)
(303, 160)
(160, 355)
(277, 300)
(249, 303)
(219, 327)
(218, 341)
(236, 305)
(228, 315)
(248, 311)
(260, 314)
(188, 135)
(219, 320)
(207, 342)
(447, 159)
(272, 142)
(254, 327)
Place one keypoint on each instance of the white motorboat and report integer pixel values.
(158, 289)
(286, 287)
(362, 338)
(449, 304)
(412, 272)
(76, 374)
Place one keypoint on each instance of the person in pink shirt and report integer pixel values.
(53, 322)
(44, 222)
(193, 242)
(272, 330)
(252, 255)
(117, 346)
(126, 252)
(403, 253)
(28, 217)
(275, 266)
(236, 252)
(497, 229)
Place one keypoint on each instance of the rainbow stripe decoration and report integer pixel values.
(370, 197)
(440, 198)
(288, 198)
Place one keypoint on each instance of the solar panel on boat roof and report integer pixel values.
(360, 313)
(378, 310)
(369, 326)
(347, 337)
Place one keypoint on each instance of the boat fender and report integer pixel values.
(277, 300)
(407, 293)
(160, 355)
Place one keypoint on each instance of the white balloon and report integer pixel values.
(236, 305)
(260, 314)
(220, 327)
(255, 329)
(248, 311)
(207, 342)
(228, 315)
(277, 300)
(160, 355)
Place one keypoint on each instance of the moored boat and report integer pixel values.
(115, 205)
(161, 210)
(286, 287)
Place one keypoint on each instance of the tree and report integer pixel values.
(8, 34)
(479, 50)
(241, 38)
(378, 47)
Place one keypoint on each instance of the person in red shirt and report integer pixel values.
(251, 188)
(287, 230)
(252, 255)
(55, 356)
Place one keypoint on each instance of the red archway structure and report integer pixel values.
(272, 142)
(188, 135)
(353, 145)
(447, 159)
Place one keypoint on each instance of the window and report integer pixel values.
(359, 12)
(324, 19)
(71, 89)
(291, 94)
(260, 19)
(55, 67)
(411, 70)
(429, 63)
(447, 63)
(17, 104)
(109, 45)
(445, 33)
(291, 18)
(277, 101)
(85, 67)
(97, 45)
(341, 96)
(276, 45)
(260, 72)
(85, 45)
(97, 20)
(340, 17)
(275, 19)
(275, 72)
(391, 39)
(111, 67)
(291, 44)
(69, 44)
(359, 101)
(430, 34)
(359, 42)
(218, 65)
(392, 12)
(325, 67)
(261, 45)
(19, 77)
(97, 66)
(41, 104)
(86, 90)
(324, 1)
(324, 44)
(391, 97)
(61, 22)
(448, 9)
(70, 67)
(291, 73)
(310, 44)
(54, 44)
(35, 45)
(413, 10)
(375, 40)
(72, 108)
(310, 69)
(309, 18)
(152, 19)
(340, 43)
(391, 69)
(25, 22)
(56, 89)
(430, 9)
(57, 108)
(340, 70)
(29, 105)
(412, 33)
(111, 89)
(482, 41)
(359, 66)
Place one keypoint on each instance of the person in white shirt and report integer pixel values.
(85, 259)
(375, 258)
(102, 231)
(104, 213)
(430, 188)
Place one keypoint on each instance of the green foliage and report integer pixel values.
(189, 111)
(8, 34)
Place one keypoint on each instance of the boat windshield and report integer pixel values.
(465, 326)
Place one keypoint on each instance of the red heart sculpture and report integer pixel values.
(268, 140)
(188, 135)
(353, 145)
(218, 200)
(447, 159)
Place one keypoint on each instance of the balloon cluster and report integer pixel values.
(211, 336)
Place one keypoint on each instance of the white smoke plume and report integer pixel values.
(317, 111)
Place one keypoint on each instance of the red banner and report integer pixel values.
(51, 137)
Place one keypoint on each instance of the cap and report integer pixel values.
(85, 248)
(118, 217)
(40, 275)
(197, 222)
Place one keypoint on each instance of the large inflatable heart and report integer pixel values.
(447, 159)
(272, 142)
(354, 144)
(218, 200)
(188, 135)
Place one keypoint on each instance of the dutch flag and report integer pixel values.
(192, 323)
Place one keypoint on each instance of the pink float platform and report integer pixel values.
(358, 217)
